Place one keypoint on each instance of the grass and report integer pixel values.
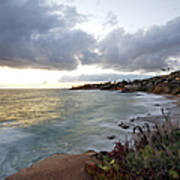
(151, 154)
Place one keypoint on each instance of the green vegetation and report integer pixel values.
(153, 154)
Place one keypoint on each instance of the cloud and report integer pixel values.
(98, 2)
(35, 34)
(110, 20)
(146, 50)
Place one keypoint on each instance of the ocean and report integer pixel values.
(35, 124)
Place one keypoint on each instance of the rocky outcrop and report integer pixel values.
(58, 166)
(166, 84)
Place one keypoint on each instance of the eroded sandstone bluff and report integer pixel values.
(165, 84)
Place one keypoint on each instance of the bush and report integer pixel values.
(155, 154)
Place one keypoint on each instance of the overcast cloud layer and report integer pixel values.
(38, 35)
(150, 50)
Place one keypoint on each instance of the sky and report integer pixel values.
(57, 43)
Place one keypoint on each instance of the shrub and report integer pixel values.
(155, 154)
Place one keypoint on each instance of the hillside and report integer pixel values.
(165, 84)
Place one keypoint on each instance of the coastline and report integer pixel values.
(172, 111)
(68, 166)
(164, 85)
(72, 166)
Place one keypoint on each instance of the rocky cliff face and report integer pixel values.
(166, 84)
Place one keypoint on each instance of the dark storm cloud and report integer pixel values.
(37, 35)
(34, 34)
(150, 50)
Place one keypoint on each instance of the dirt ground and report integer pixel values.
(57, 167)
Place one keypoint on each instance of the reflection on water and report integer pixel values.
(37, 123)
(28, 107)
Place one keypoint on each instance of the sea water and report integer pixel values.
(35, 124)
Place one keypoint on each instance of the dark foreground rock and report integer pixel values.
(111, 137)
(165, 84)
(124, 126)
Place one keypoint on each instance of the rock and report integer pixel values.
(157, 82)
(91, 152)
(124, 126)
(111, 137)
(104, 153)
(166, 90)
(132, 120)
(128, 90)
(56, 167)
(119, 89)
(158, 90)
(124, 82)
(165, 84)
(176, 91)
(149, 85)
(101, 154)
(174, 82)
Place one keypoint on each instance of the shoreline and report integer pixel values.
(163, 85)
(72, 166)
(67, 166)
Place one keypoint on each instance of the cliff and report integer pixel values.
(165, 84)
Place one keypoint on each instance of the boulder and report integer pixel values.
(123, 126)
(111, 137)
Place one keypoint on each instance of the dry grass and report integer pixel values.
(151, 154)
